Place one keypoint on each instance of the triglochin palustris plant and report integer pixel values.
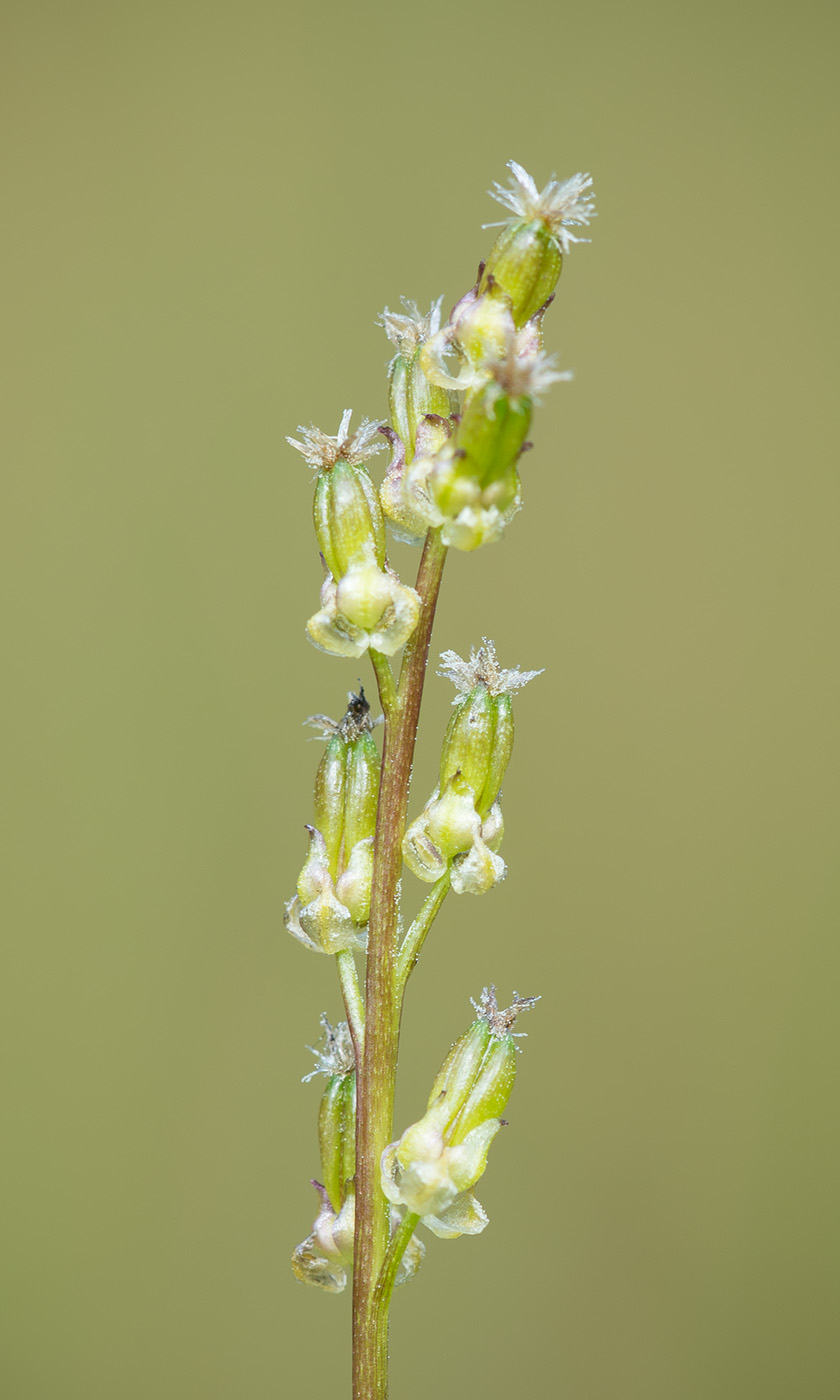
(460, 404)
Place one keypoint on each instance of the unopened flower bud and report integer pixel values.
(437, 1161)
(527, 257)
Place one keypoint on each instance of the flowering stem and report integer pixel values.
(377, 1069)
(416, 936)
(353, 1003)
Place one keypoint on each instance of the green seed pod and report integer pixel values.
(411, 397)
(348, 1140)
(337, 1113)
(491, 1088)
(478, 745)
(330, 789)
(410, 394)
(468, 742)
(330, 1134)
(362, 790)
(458, 1071)
(398, 401)
(491, 436)
(348, 518)
(500, 753)
(477, 1075)
(526, 262)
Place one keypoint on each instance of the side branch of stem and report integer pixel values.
(416, 936)
(354, 1006)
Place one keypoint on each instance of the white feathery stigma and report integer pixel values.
(559, 204)
(482, 668)
(337, 1055)
(524, 376)
(322, 451)
(412, 330)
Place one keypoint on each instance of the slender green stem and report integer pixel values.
(396, 1250)
(385, 682)
(353, 1004)
(375, 1080)
(416, 936)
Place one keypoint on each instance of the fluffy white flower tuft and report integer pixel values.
(502, 1020)
(336, 1055)
(412, 330)
(524, 376)
(322, 451)
(558, 205)
(482, 669)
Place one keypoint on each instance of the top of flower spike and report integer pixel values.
(322, 451)
(337, 1055)
(482, 669)
(415, 328)
(558, 205)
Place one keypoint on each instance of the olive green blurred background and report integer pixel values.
(207, 205)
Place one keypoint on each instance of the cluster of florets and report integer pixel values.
(460, 828)
(461, 400)
(433, 1167)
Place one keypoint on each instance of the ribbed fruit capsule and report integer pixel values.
(491, 436)
(478, 1073)
(337, 1135)
(525, 262)
(411, 397)
(362, 790)
(348, 518)
(478, 744)
(330, 784)
(347, 786)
